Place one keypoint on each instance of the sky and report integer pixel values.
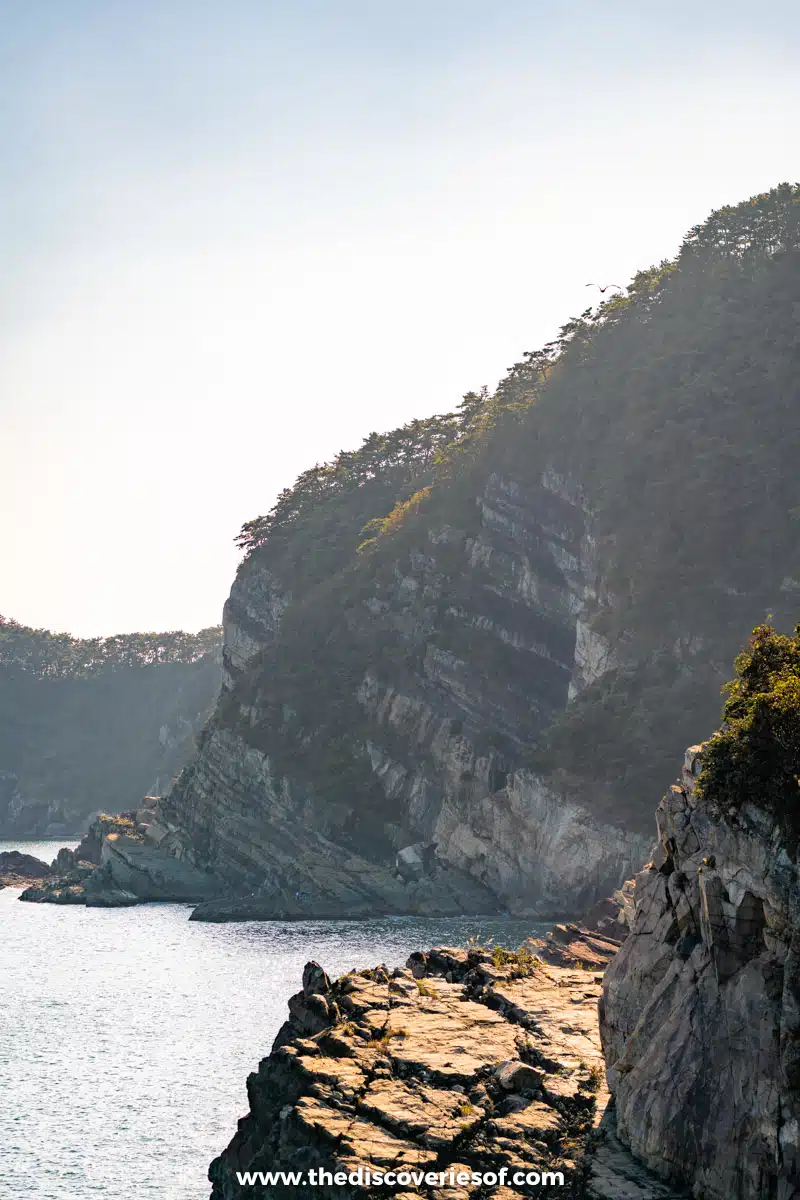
(237, 237)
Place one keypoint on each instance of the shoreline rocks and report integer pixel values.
(354, 889)
(18, 869)
(116, 865)
(482, 1059)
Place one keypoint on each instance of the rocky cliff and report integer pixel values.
(487, 639)
(700, 1015)
(472, 648)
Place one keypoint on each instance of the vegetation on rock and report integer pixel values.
(670, 411)
(755, 757)
(93, 723)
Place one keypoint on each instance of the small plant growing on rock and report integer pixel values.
(425, 989)
(595, 1078)
(523, 960)
(385, 1036)
(501, 956)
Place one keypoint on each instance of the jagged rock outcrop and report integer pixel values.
(471, 1062)
(117, 865)
(436, 739)
(700, 1017)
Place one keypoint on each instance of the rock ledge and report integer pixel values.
(478, 1060)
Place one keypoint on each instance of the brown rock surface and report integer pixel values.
(466, 1061)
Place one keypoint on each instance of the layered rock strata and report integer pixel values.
(116, 865)
(476, 1062)
(700, 1017)
(470, 644)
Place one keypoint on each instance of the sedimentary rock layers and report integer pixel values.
(431, 688)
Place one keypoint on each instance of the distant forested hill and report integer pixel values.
(89, 724)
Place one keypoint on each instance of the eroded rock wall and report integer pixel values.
(700, 1017)
(476, 640)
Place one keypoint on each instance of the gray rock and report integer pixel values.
(315, 981)
(516, 1076)
(614, 1174)
(700, 1016)
(149, 873)
(111, 898)
(327, 882)
(72, 894)
(64, 861)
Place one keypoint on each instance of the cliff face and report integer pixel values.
(480, 641)
(700, 1016)
(476, 640)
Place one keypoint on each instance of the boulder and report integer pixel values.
(315, 981)
(516, 1076)
(415, 860)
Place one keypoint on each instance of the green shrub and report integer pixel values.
(755, 757)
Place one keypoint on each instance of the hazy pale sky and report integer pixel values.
(237, 237)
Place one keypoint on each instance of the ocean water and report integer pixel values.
(126, 1035)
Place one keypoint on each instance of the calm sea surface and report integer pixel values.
(126, 1035)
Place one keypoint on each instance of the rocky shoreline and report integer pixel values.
(117, 865)
(18, 869)
(481, 1060)
(130, 859)
(491, 1060)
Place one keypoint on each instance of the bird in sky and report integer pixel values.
(607, 286)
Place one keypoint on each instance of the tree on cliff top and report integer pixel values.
(755, 757)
